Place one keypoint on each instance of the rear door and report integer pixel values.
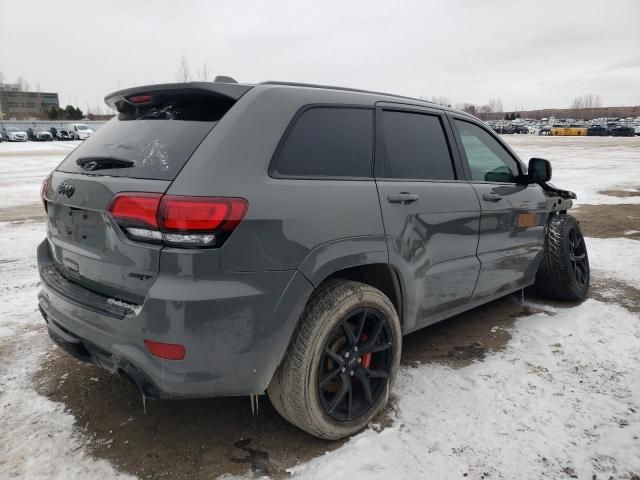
(141, 150)
(430, 212)
(513, 214)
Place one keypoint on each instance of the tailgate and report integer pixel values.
(86, 244)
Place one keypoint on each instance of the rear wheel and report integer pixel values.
(337, 372)
(564, 273)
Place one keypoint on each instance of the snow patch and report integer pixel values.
(615, 258)
(586, 165)
(119, 303)
(563, 397)
(38, 439)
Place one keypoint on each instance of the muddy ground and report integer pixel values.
(206, 438)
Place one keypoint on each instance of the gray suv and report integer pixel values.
(220, 239)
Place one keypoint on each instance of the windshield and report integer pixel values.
(82, 127)
(12, 129)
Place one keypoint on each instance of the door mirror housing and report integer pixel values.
(539, 170)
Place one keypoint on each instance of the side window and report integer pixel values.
(488, 160)
(415, 147)
(328, 142)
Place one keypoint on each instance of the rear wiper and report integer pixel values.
(101, 163)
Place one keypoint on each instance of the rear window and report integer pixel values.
(151, 142)
(415, 147)
(327, 142)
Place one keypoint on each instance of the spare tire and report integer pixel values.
(564, 271)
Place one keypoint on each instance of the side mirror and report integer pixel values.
(539, 170)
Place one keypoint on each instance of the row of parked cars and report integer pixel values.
(509, 128)
(74, 131)
(595, 130)
(614, 129)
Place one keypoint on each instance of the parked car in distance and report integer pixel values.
(14, 134)
(621, 131)
(636, 129)
(80, 131)
(60, 134)
(520, 129)
(504, 128)
(196, 263)
(597, 131)
(39, 134)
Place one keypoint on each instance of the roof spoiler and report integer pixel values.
(230, 91)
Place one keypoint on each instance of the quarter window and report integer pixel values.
(488, 160)
(328, 142)
(415, 147)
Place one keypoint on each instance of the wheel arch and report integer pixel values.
(382, 276)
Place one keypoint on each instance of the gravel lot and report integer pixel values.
(510, 389)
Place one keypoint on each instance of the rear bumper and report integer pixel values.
(85, 351)
(235, 329)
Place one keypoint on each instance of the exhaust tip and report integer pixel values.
(145, 386)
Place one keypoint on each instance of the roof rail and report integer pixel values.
(346, 89)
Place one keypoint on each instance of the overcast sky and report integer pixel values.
(531, 54)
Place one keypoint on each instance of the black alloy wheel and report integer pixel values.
(578, 256)
(355, 364)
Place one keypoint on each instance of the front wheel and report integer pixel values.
(341, 364)
(564, 273)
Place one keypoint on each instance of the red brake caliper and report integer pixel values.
(366, 358)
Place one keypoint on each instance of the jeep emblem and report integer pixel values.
(66, 189)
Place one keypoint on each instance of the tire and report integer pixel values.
(320, 384)
(564, 273)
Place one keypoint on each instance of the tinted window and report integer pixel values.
(328, 142)
(151, 142)
(488, 160)
(415, 147)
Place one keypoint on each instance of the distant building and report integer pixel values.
(18, 105)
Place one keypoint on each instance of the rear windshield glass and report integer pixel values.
(152, 142)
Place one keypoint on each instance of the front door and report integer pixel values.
(513, 214)
(431, 213)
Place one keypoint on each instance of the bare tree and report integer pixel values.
(441, 101)
(469, 108)
(495, 106)
(483, 111)
(204, 73)
(586, 105)
(183, 74)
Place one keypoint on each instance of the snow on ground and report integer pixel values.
(24, 165)
(587, 165)
(615, 258)
(37, 438)
(562, 399)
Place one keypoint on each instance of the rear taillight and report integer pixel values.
(206, 214)
(177, 220)
(43, 191)
(136, 209)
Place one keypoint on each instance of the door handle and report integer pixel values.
(492, 197)
(403, 198)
